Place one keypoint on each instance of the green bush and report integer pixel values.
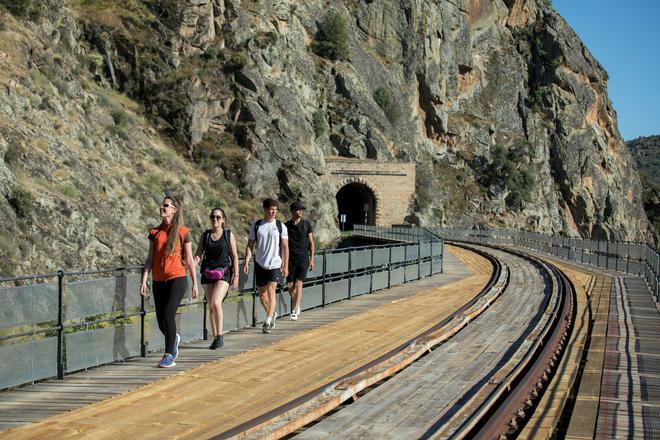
(119, 116)
(319, 123)
(18, 8)
(12, 155)
(21, 200)
(510, 169)
(382, 97)
(331, 38)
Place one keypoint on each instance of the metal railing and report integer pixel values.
(630, 257)
(59, 323)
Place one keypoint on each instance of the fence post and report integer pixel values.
(389, 268)
(60, 324)
(431, 270)
(371, 271)
(143, 343)
(254, 296)
(205, 331)
(323, 282)
(350, 276)
(419, 258)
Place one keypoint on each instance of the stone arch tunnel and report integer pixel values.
(371, 192)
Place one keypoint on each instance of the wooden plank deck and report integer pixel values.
(250, 375)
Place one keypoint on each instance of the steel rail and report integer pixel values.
(504, 414)
(353, 381)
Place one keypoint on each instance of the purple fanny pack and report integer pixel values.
(214, 274)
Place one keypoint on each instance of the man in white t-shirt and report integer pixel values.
(270, 242)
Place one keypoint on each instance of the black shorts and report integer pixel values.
(297, 270)
(264, 276)
(226, 277)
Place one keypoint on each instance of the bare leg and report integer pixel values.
(298, 285)
(264, 298)
(271, 298)
(292, 294)
(208, 292)
(219, 292)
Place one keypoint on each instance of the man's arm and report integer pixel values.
(285, 257)
(310, 237)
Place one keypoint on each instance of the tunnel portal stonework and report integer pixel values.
(392, 185)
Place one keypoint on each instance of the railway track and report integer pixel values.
(484, 381)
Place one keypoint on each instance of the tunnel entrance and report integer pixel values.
(357, 202)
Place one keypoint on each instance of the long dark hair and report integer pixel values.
(224, 217)
(177, 221)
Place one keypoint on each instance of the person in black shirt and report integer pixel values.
(301, 255)
(219, 269)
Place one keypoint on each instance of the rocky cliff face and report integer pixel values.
(106, 105)
(646, 152)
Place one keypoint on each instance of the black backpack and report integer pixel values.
(226, 234)
(261, 222)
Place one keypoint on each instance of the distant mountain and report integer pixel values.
(646, 152)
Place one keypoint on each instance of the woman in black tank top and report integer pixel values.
(218, 247)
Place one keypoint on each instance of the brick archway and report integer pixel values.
(391, 183)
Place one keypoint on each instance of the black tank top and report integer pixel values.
(216, 253)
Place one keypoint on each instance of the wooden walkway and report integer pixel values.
(254, 373)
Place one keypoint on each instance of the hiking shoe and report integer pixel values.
(218, 342)
(175, 351)
(266, 327)
(167, 361)
(294, 316)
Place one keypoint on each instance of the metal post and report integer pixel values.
(205, 330)
(60, 324)
(254, 297)
(350, 276)
(389, 268)
(323, 285)
(143, 343)
(371, 270)
(442, 256)
(419, 258)
(431, 262)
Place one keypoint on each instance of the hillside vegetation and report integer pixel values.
(105, 106)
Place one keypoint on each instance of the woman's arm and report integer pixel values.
(234, 262)
(200, 249)
(192, 266)
(248, 256)
(146, 270)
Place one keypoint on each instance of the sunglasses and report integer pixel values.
(167, 205)
(215, 217)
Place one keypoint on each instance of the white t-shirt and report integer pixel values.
(267, 247)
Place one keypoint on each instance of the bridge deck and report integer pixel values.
(254, 374)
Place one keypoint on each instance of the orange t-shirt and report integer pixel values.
(166, 267)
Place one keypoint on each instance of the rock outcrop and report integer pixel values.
(105, 106)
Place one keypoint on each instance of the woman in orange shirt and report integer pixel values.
(168, 250)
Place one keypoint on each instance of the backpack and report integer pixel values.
(226, 234)
(261, 222)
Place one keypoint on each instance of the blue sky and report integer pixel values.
(625, 38)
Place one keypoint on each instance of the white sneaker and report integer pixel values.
(298, 311)
(294, 316)
(272, 323)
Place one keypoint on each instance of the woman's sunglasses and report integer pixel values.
(167, 205)
(215, 217)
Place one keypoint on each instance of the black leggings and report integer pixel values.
(167, 297)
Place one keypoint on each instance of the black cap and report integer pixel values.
(296, 206)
